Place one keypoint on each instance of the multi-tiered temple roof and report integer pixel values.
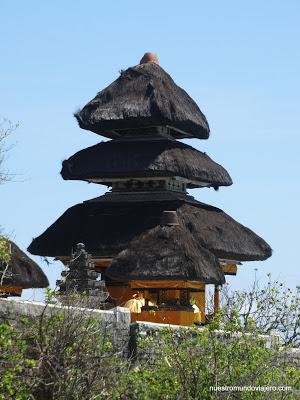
(127, 230)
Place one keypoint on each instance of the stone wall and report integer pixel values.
(116, 321)
(142, 330)
(125, 334)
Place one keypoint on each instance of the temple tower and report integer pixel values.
(155, 246)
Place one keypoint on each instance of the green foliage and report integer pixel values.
(75, 356)
(4, 250)
(14, 364)
(265, 309)
(184, 365)
(65, 354)
(4, 257)
(51, 296)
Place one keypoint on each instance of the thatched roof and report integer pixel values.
(222, 235)
(107, 227)
(160, 158)
(142, 97)
(22, 271)
(166, 252)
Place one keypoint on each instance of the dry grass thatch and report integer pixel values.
(166, 252)
(163, 158)
(142, 97)
(107, 227)
(22, 271)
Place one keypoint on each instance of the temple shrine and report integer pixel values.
(19, 272)
(152, 246)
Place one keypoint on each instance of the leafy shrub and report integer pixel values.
(14, 365)
(67, 355)
(186, 364)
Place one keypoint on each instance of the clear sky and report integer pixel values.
(239, 60)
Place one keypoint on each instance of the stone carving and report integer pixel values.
(81, 277)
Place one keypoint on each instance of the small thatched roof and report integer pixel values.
(107, 226)
(22, 271)
(166, 252)
(143, 97)
(160, 158)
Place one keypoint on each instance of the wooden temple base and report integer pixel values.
(166, 292)
(7, 290)
(185, 318)
(167, 297)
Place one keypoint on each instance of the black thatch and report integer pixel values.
(142, 97)
(160, 158)
(166, 252)
(22, 271)
(121, 198)
(107, 227)
(222, 235)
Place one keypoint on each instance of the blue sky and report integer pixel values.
(240, 61)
